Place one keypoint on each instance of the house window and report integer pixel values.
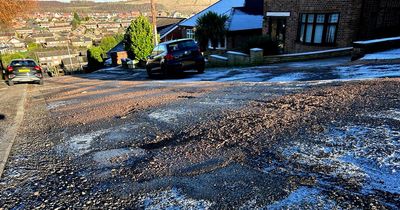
(190, 33)
(221, 44)
(318, 29)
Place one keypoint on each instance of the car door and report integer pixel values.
(159, 57)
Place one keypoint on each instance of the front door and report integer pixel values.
(277, 31)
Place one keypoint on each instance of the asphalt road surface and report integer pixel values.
(321, 135)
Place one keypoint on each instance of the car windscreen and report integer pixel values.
(185, 45)
(26, 63)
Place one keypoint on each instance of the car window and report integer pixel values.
(182, 46)
(163, 49)
(155, 51)
(28, 63)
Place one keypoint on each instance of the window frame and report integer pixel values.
(219, 47)
(326, 24)
(191, 32)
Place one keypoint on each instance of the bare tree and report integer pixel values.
(10, 9)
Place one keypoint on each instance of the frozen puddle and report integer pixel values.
(361, 155)
(167, 116)
(117, 157)
(173, 199)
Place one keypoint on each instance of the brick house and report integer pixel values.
(311, 25)
(245, 20)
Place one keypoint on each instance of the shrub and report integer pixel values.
(139, 39)
(95, 57)
(210, 27)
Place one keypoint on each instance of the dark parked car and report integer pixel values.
(175, 56)
(24, 70)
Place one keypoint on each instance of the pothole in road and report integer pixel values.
(115, 157)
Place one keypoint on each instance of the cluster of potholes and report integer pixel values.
(358, 159)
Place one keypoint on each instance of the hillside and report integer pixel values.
(185, 6)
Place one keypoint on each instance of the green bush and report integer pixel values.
(139, 39)
(269, 46)
(95, 57)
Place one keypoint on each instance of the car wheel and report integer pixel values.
(200, 69)
(41, 82)
(10, 83)
(149, 73)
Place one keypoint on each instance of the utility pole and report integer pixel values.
(70, 58)
(154, 21)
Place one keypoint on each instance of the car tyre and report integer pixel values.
(149, 73)
(10, 83)
(41, 82)
(164, 71)
(201, 69)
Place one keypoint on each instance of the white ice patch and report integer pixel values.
(117, 156)
(54, 105)
(173, 199)
(369, 156)
(80, 144)
(217, 102)
(289, 77)
(245, 76)
(389, 114)
(168, 116)
(367, 72)
(304, 198)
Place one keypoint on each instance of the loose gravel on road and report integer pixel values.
(92, 143)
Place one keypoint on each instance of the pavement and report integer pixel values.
(318, 134)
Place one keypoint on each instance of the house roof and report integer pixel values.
(42, 35)
(56, 53)
(75, 60)
(163, 22)
(222, 7)
(240, 20)
(164, 32)
(118, 48)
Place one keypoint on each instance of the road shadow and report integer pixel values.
(2, 117)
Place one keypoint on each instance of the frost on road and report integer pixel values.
(294, 136)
